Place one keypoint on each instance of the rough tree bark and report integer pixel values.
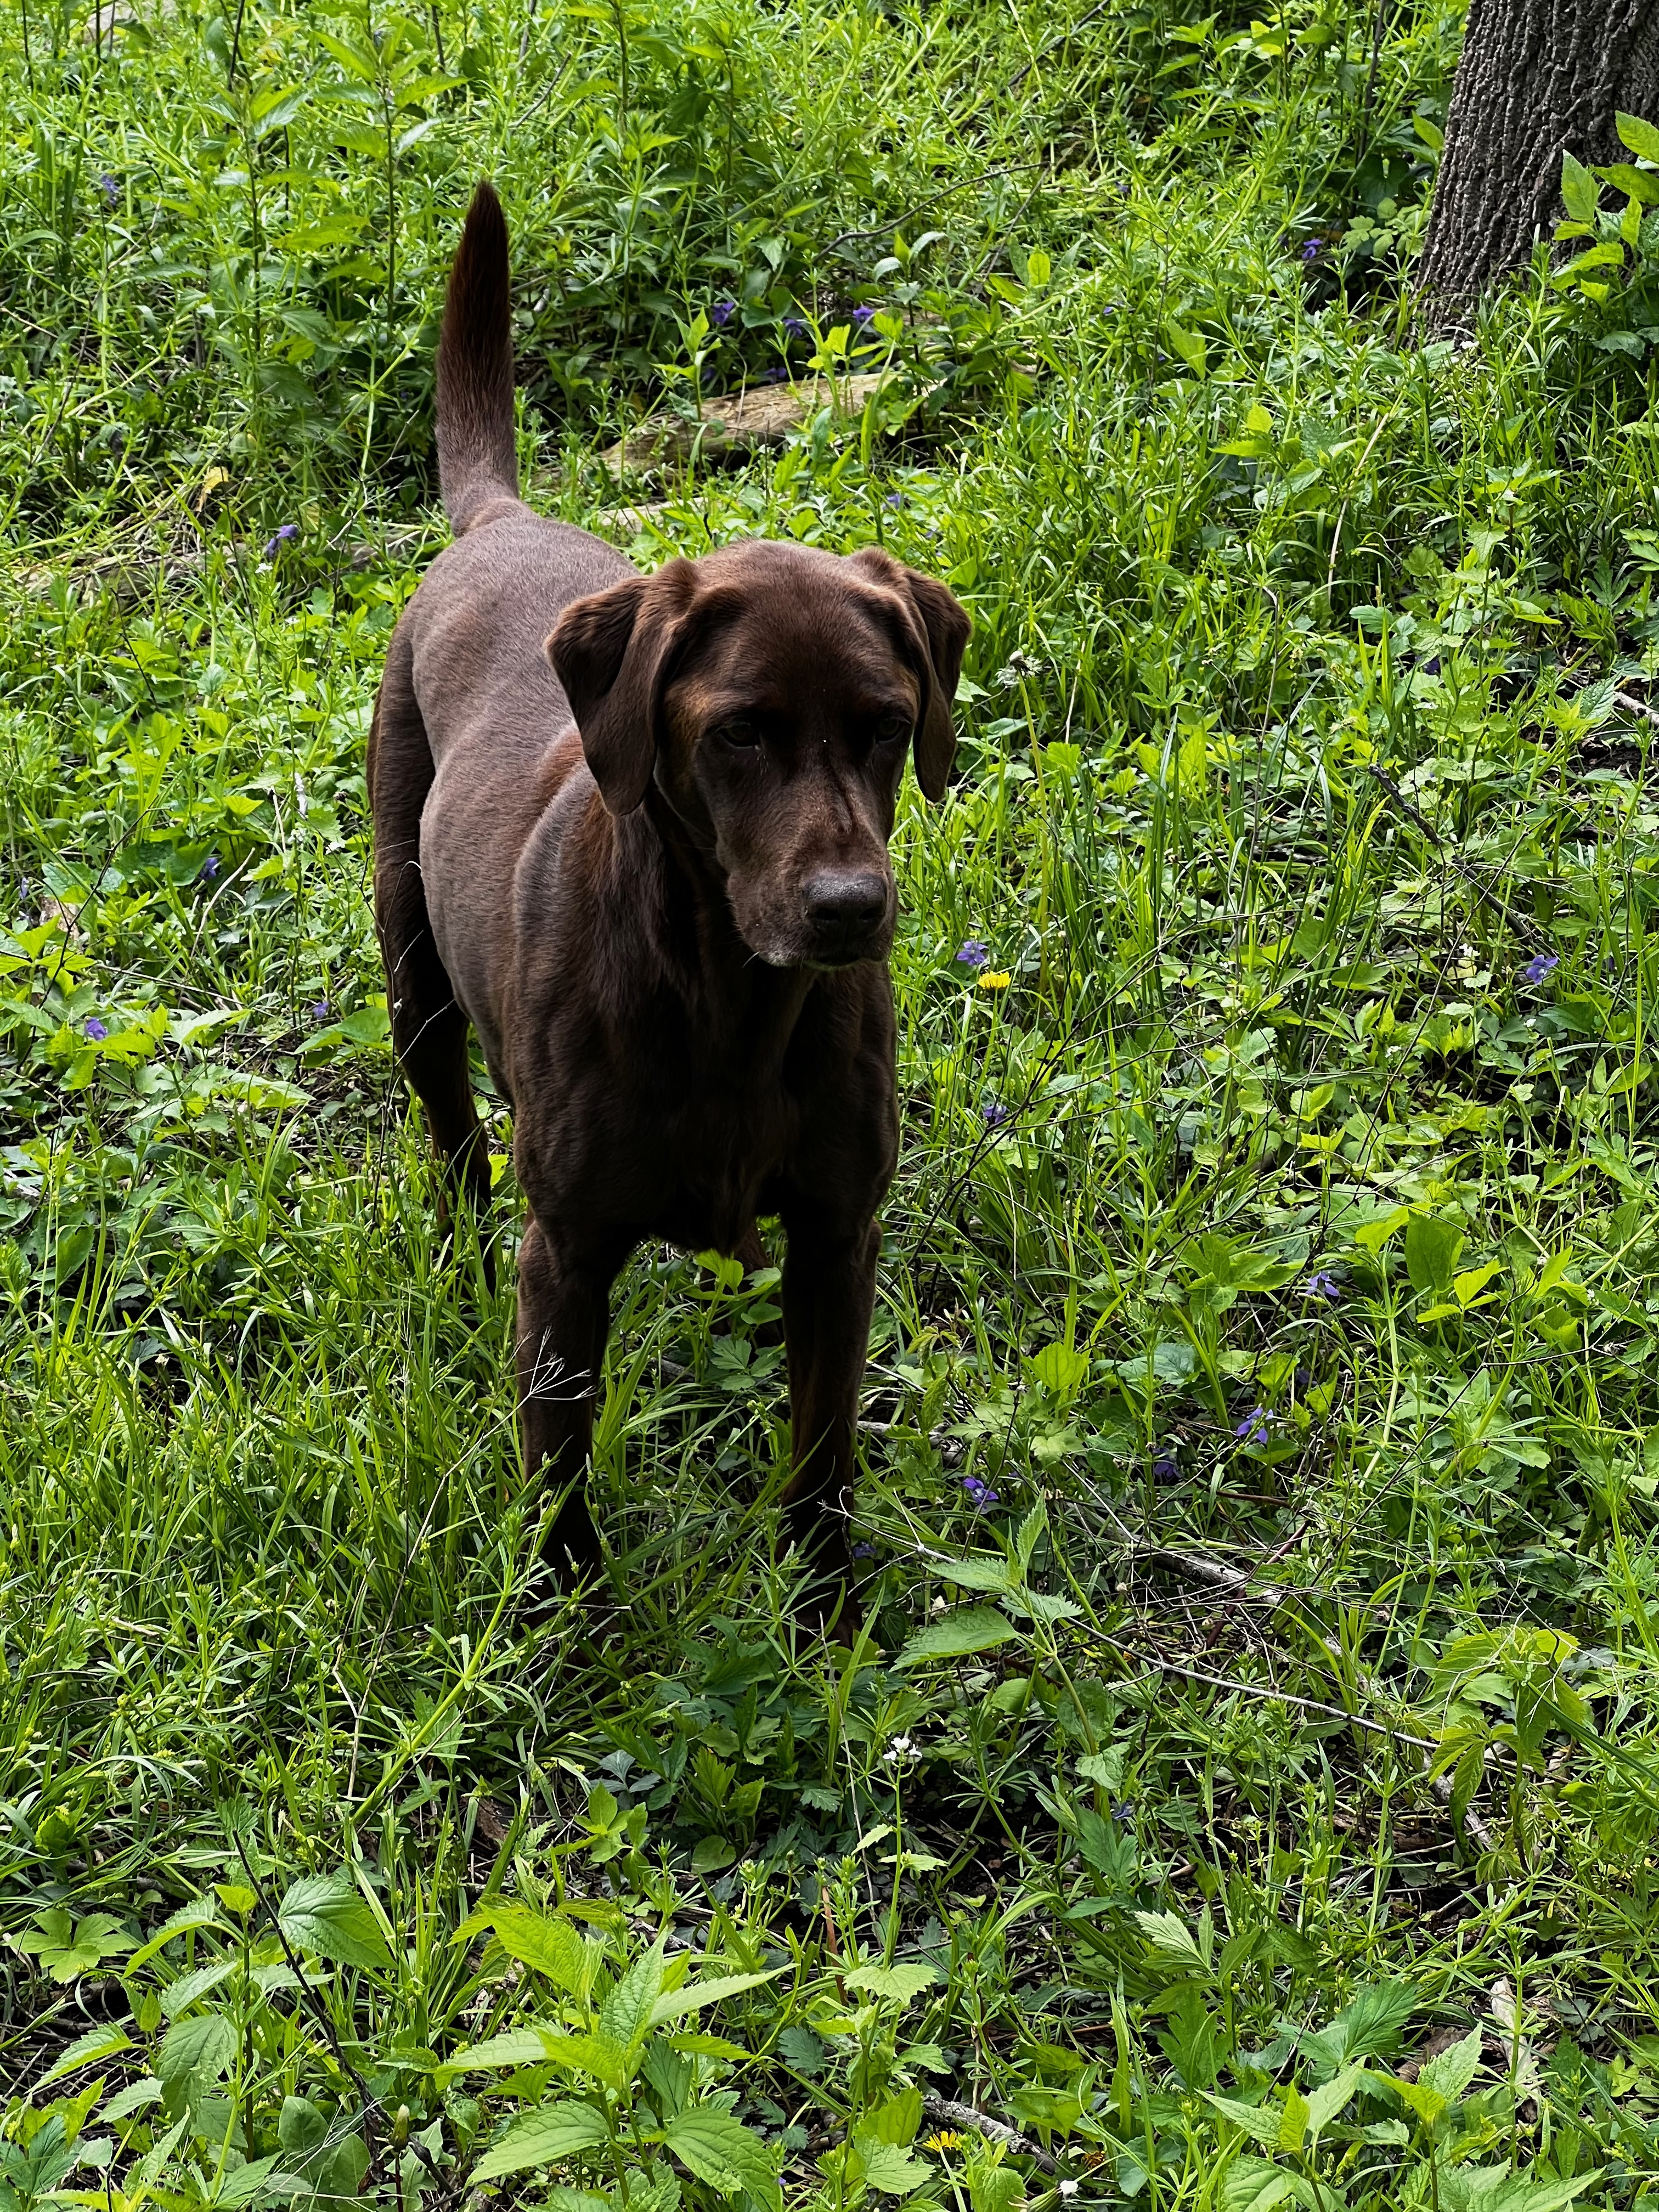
(1536, 77)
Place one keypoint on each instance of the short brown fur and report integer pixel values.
(633, 829)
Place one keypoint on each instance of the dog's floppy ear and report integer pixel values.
(613, 652)
(940, 627)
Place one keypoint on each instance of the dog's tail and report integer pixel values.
(477, 455)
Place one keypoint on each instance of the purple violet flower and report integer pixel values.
(210, 868)
(775, 374)
(1324, 1285)
(1540, 967)
(272, 544)
(973, 954)
(896, 499)
(110, 189)
(864, 316)
(863, 1550)
(1166, 1468)
(993, 1112)
(981, 1495)
(1311, 250)
(320, 1011)
(1253, 1429)
(721, 313)
(795, 326)
(95, 1028)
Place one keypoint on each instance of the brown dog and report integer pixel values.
(634, 830)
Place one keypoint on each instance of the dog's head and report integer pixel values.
(771, 692)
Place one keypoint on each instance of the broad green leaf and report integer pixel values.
(989, 1575)
(1062, 1370)
(352, 58)
(901, 1985)
(87, 2050)
(1172, 1940)
(1640, 135)
(519, 2046)
(189, 1989)
(201, 2048)
(725, 2154)
(1580, 193)
(1293, 2120)
(1428, 2104)
(255, 2178)
(1449, 2072)
(327, 1915)
(1259, 2122)
(898, 2120)
(1520, 2195)
(543, 1941)
(958, 1636)
(625, 2014)
(541, 2138)
(674, 2004)
(888, 2166)
(1254, 2184)
(612, 2063)
(1331, 2098)
(1432, 1245)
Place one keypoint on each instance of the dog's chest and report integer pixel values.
(721, 1146)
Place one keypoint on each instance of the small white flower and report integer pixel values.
(1068, 2187)
(938, 1605)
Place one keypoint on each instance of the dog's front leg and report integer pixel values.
(829, 1291)
(563, 1314)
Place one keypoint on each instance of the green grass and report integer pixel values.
(1290, 1714)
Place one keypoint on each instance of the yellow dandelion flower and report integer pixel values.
(947, 2139)
(995, 979)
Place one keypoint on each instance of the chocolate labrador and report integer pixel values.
(634, 830)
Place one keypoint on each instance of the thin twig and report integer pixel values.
(1405, 805)
(1633, 705)
(944, 2111)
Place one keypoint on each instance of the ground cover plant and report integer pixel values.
(1244, 1791)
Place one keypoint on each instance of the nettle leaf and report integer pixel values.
(608, 2061)
(543, 1941)
(625, 2014)
(1449, 2072)
(725, 2154)
(674, 2004)
(543, 2137)
(327, 1915)
(201, 2049)
(991, 1576)
(1260, 2121)
(520, 2046)
(972, 1629)
(901, 1985)
(86, 2050)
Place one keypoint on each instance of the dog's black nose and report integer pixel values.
(844, 902)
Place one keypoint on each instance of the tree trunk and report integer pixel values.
(1536, 77)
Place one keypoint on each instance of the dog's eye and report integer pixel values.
(741, 736)
(896, 730)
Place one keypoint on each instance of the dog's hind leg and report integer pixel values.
(428, 1028)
